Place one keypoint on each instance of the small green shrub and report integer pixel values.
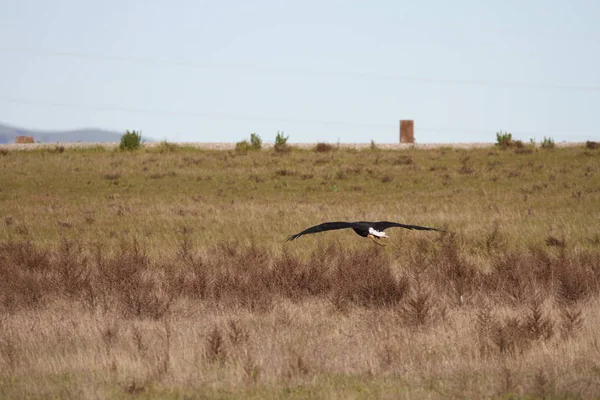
(131, 140)
(243, 146)
(255, 141)
(504, 140)
(281, 145)
(373, 145)
(548, 143)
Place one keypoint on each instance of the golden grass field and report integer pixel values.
(164, 273)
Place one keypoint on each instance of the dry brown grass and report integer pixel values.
(243, 319)
(134, 285)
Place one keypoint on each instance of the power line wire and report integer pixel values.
(303, 71)
(219, 116)
(237, 117)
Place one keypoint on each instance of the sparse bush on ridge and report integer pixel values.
(255, 141)
(281, 145)
(592, 145)
(131, 140)
(242, 146)
(548, 143)
(504, 140)
(245, 146)
(322, 147)
(373, 146)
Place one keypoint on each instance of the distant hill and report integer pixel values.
(86, 135)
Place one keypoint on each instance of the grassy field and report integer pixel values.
(164, 273)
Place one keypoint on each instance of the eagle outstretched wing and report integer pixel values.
(327, 226)
(383, 225)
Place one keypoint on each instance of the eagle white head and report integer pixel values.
(377, 233)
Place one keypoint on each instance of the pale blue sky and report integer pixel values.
(319, 70)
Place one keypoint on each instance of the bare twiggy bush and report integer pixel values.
(571, 320)
(242, 276)
(26, 255)
(215, 349)
(186, 247)
(553, 241)
(516, 333)
(138, 289)
(72, 269)
(494, 241)
(518, 276)
(237, 333)
(572, 287)
(148, 297)
(454, 272)
(252, 371)
(9, 351)
(196, 278)
(23, 269)
(510, 336)
(138, 340)
(125, 267)
(577, 277)
(543, 386)
(296, 279)
(110, 335)
(163, 362)
(426, 287)
(511, 279)
(418, 309)
(507, 380)
(365, 278)
(538, 325)
(485, 325)
(297, 366)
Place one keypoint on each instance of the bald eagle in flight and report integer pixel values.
(371, 230)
